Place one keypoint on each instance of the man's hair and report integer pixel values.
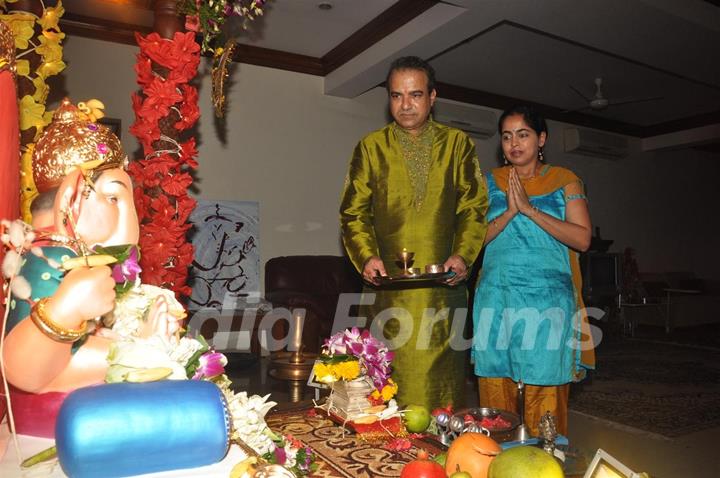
(44, 201)
(412, 63)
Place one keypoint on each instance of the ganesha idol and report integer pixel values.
(55, 339)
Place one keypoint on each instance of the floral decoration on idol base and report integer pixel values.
(166, 107)
(356, 365)
(135, 359)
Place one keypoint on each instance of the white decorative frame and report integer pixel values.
(605, 465)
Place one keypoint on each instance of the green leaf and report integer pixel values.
(121, 289)
(333, 359)
(270, 457)
(118, 252)
(194, 360)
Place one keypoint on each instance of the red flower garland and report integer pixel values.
(166, 106)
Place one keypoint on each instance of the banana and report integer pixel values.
(375, 409)
(244, 469)
(368, 420)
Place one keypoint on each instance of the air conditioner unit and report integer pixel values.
(594, 143)
(474, 120)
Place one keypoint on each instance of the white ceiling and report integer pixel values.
(514, 50)
(299, 26)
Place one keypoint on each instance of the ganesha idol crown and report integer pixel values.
(71, 140)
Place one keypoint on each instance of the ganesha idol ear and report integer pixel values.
(65, 200)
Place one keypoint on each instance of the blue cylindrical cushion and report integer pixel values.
(124, 429)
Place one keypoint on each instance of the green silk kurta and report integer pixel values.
(379, 218)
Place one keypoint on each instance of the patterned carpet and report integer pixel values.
(342, 455)
(661, 388)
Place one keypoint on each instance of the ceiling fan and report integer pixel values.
(599, 102)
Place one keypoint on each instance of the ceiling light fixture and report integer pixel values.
(325, 6)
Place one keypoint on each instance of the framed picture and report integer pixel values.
(604, 465)
(226, 266)
(115, 125)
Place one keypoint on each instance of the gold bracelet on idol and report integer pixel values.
(53, 330)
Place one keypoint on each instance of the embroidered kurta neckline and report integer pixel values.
(417, 152)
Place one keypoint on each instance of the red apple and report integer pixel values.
(422, 468)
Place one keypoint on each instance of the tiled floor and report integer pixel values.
(689, 456)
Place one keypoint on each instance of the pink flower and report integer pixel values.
(128, 270)
(280, 456)
(211, 365)
(398, 444)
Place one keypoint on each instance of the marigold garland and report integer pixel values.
(166, 102)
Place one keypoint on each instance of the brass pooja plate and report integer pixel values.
(402, 278)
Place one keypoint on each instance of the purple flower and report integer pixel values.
(373, 354)
(356, 348)
(211, 365)
(280, 455)
(128, 270)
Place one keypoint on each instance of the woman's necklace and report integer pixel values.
(533, 174)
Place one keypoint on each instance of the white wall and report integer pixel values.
(288, 147)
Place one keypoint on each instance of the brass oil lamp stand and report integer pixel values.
(522, 434)
(294, 366)
(406, 258)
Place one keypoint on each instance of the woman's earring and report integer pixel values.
(506, 161)
(540, 154)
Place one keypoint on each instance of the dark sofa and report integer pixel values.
(313, 283)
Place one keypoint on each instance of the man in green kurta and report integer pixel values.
(416, 185)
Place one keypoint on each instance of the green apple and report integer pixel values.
(417, 418)
(461, 474)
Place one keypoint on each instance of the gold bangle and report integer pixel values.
(53, 330)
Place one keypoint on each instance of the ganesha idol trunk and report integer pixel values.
(126, 429)
(35, 414)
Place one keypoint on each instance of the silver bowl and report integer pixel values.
(413, 271)
(499, 435)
